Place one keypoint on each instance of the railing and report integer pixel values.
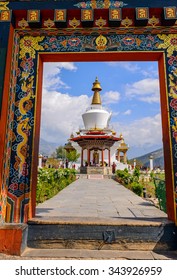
(160, 192)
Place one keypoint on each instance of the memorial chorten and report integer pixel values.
(96, 139)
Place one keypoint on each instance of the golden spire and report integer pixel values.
(96, 96)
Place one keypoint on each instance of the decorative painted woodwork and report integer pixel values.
(115, 14)
(86, 15)
(142, 13)
(60, 15)
(5, 16)
(33, 16)
(21, 84)
(170, 13)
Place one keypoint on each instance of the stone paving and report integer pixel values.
(76, 254)
(99, 200)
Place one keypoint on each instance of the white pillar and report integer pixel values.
(151, 163)
(134, 163)
(40, 161)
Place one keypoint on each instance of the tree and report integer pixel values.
(53, 162)
(72, 156)
(136, 174)
(61, 152)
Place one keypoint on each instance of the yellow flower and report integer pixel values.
(170, 43)
(29, 44)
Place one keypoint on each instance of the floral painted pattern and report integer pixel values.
(100, 4)
(27, 46)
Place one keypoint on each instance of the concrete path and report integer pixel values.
(99, 200)
(77, 254)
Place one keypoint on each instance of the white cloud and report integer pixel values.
(145, 90)
(129, 66)
(110, 97)
(115, 113)
(145, 132)
(52, 70)
(128, 112)
(150, 72)
(61, 115)
(133, 67)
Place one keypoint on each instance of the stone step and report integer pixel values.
(122, 235)
(79, 254)
(94, 176)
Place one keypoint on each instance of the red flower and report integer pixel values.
(173, 104)
(25, 169)
(172, 60)
(27, 63)
(173, 41)
(52, 39)
(13, 186)
(175, 135)
(128, 40)
(74, 42)
(27, 43)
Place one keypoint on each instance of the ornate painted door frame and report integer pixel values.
(28, 48)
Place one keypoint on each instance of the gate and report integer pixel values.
(33, 32)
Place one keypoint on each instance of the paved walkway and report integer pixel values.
(99, 200)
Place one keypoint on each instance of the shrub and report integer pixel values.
(124, 177)
(137, 188)
(160, 191)
(50, 181)
(136, 174)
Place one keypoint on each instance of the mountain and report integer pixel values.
(47, 148)
(157, 156)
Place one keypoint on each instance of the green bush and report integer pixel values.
(50, 181)
(124, 177)
(137, 188)
(160, 192)
(136, 174)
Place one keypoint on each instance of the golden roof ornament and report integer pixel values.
(96, 100)
(96, 85)
(122, 146)
(72, 135)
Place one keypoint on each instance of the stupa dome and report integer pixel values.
(96, 117)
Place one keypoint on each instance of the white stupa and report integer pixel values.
(96, 142)
(95, 116)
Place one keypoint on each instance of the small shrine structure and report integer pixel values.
(122, 151)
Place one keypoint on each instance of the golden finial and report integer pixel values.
(96, 85)
(96, 96)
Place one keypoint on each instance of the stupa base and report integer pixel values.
(96, 170)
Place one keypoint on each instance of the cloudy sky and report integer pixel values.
(130, 90)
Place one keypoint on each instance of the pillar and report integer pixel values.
(118, 156)
(102, 157)
(134, 163)
(88, 157)
(109, 158)
(40, 161)
(151, 163)
(125, 157)
(82, 157)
